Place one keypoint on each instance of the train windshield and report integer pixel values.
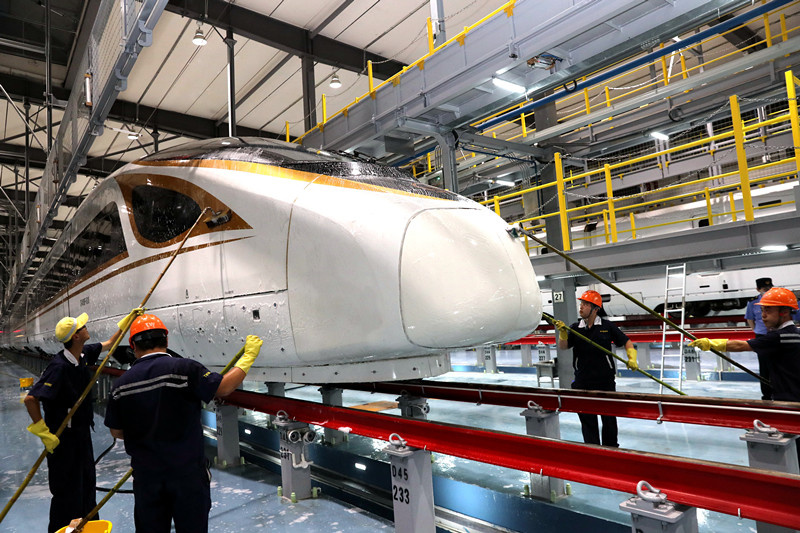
(373, 174)
(272, 152)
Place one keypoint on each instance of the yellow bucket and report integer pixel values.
(93, 526)
(24, 383)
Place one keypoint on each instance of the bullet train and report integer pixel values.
(347, 269)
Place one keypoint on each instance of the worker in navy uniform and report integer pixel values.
(70, 461)
(594, 369)
(752, 315)
(779, 348)
(155, 407)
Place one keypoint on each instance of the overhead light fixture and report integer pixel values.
(505, 183)
(508, 86)
(199, 39)
(660, 136)
(774, 248)
(133, 135)
(335, 82)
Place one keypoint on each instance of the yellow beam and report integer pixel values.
(792, 96)
(371, 80)
(430, 36)
(741, 157)
(612, 217)
(562, 203)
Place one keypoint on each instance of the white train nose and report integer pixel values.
(464, 281)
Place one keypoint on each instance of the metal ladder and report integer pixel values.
(674, 300)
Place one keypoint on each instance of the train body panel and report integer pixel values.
(333, 262)
(707, 294)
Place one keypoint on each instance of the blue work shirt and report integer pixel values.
(753, 312)
(157, 405)
(62, 383)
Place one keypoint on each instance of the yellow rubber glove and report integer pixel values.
(41, 430)
(125, 323)
(632, 364)
(721, 345)
(251, 349)
(563, 332)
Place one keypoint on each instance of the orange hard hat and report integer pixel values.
(593, 297)
(780, 297)
(147, 323)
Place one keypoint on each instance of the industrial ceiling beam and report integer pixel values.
(138, 114)
(15, 153)
(283, 36)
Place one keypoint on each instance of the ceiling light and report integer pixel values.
(133, 135)
(660, 136)
(199, 39)
(335, 82)
(774, 248)
(505, 183)
(508, 86)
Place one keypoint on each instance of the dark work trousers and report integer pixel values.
(763, 370)
(589, 425)
(162, 497)
(71, 476)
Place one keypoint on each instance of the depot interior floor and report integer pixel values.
(245, 497)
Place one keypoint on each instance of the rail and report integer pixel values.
(719, 412)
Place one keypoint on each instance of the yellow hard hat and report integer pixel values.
(67, 327)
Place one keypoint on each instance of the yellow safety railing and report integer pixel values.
(610, 208)
(659, 64)
(508, 8)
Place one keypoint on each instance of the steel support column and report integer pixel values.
(309, 92)
(230, 42)
(542, 423)
(27, 106)
(437, 20)
(565, 309)
(48, 93)
(447, 144)
(412, 488)
(332, 396)
(227, 435)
